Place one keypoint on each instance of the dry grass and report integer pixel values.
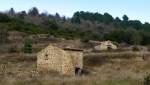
(123, 68)
(67, 81)
(98, 58)
(20, 69)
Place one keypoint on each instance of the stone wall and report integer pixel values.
(77, 58)
(105, 46)
(64, 62)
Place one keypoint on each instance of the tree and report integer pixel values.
(117, 21)
(125, 22)
(146, 37)
(33, 12)
(107, 18)
(116, 35)
(120, 35)
(44, 14)
(64, 18)
(136, 38)
(146, 26)
(125, 18)
(89, 16)
(51, 24)
(76, 18)
(3, 35)
(57, 16)
(22, 14)
(147, 80)
(135, 24)
(28, 46)
(11, 11)
(4, 17)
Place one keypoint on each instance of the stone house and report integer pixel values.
(106, 45)
(64, 61)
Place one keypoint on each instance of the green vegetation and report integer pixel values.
(135, 48)
(83, 25)
(12, 49)
(3, 35)
(120, 82)
(28, 46)
(147, 80)
(130, 36)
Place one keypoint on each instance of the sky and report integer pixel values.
(135, 9)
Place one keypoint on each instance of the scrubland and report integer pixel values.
(126, 68)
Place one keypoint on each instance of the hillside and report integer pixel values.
(83, 25)
(23, 34)
(124, 67)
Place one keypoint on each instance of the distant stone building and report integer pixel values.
(106, 45)
(64, 61)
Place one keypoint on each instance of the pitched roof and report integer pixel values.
(73, 49)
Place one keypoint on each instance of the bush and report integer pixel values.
(28, 46)
(148, 48)
(4, 17)
(12, 49)
(3, 35)
(147, 80)
(85, 40)
(135, 48)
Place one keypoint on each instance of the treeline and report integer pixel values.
(35, 22)
(126, 31)
(78, 17)
(83, 25)
(130, 36)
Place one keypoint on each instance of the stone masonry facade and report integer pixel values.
(57, 59)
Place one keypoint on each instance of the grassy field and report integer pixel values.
(20, 69)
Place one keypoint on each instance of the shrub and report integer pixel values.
(147, 80)
(12, 50)
(3, 35)
(135, 48)
(4, 17)
(85, 40)
(148, 48)
(28, 46)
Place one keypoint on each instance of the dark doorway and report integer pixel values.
(109, 47)
(78, 71)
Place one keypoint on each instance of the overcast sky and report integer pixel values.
(135, 9)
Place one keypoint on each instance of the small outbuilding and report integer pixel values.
(105, 45)
(64, 61)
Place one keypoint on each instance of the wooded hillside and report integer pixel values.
(83, 25)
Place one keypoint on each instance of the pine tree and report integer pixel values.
(28, 46)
